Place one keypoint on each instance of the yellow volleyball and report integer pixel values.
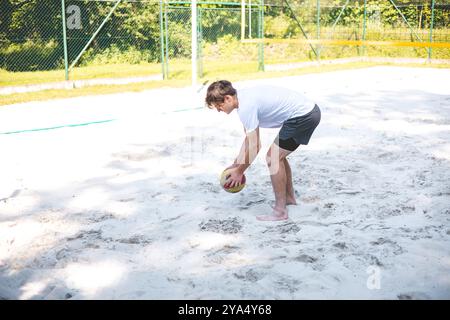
(223, 180)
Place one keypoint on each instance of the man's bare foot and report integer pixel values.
(277, 215)
(291, 201)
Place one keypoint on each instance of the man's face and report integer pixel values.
(227, 105)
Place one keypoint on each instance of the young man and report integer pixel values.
(267, 107)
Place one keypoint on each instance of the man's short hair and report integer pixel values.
(217, 91)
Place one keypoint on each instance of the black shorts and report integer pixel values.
(298, 130)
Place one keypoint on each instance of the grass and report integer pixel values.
(104, 71)
(8, 78)
(180, 77)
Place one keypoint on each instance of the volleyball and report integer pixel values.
(235, 189)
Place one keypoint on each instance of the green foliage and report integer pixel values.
(279, 26)
(31, 31)
(218, 22)
(27, 19)
(30, 56)
(116, 55)
(179, 41)
(229, 48)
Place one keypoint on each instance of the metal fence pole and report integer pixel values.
(407, 23)
(161, 38)
(250, 19)
(66, 61)
(200, 42)
(95, 34)
(166, 31)
(318, 29)
(242, 19)
(261, 36)
(300, 25)
(340, 13)
(431, 28)
(364, 27)
(194, 42)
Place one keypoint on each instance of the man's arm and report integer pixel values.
(249, 150)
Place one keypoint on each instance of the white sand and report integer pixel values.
(132, 208)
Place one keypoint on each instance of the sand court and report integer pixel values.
(118, 196)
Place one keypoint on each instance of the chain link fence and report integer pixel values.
(126, 38)
(130, 36)
(102, 38)
(394, 22)
(218, 33)
(31, 36)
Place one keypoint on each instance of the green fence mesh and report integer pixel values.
(131, 36)
(143, 37)
(394, 21)
(31, 35)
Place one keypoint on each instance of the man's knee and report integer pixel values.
(273, 162)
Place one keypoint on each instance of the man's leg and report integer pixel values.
(275, 161)
(290, 195)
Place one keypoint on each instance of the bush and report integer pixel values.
(280, 26)
(116, 55)
(31, 56)
(229, 48)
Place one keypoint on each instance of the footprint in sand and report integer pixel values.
(251, 203)
(227, 226)
(288, 227)
(310, 199)
(209, 187)
(340, 245)
(221, 255)
(288, 284)
(413, 296)
(329, 205)
(250, 275)
(391, 246)
(94, 216)
(86, 234)
(305, 258)
(136, 239)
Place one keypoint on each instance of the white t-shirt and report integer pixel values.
(268, 106)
